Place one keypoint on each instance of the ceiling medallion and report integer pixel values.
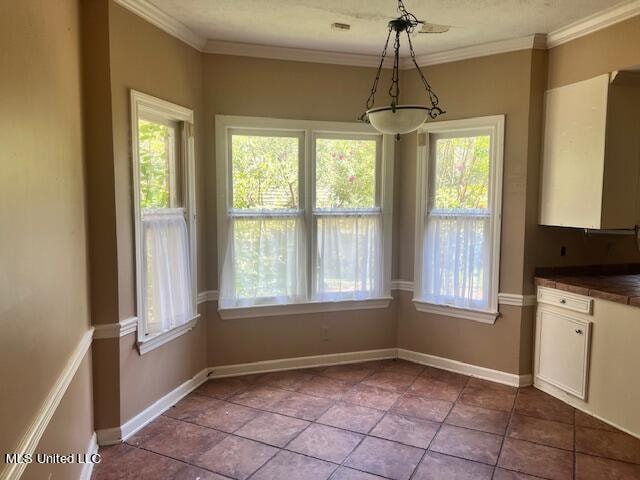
(396, 119)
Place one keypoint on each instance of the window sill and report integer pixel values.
(155, 341)
(451, 311)
(302, 308)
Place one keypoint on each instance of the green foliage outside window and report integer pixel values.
(345, 173)
(154, 150)
(462, 173)
(265, 172)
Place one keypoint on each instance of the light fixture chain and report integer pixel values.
(374, 88)
(394, 89)
(434, 111)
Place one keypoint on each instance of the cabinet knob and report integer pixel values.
(578, 331)
(563, 301)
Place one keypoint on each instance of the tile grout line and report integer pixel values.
(506, 431)
(332, 402)
(415, 470)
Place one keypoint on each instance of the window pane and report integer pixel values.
(456, 261)
(462, 173)
(345, 173)
(265, 172)
(156, 146)
(265, 261)
(349, 257)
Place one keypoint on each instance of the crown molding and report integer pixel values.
(536, 42)
(221, 47)
(593, 23)
(605, 18)
(152, 14)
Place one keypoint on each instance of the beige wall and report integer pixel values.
(43, 279)
(613, 48)
(281, 89)
(69, 430)
(143, 58)
(498, 84)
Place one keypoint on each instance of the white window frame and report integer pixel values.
(495, 126)
(308, 130)
(147, 106)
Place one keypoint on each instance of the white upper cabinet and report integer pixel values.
(591, 153)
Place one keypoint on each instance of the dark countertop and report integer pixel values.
(616, 283)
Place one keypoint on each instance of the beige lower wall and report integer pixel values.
(70, 429)
(269, 338)
(149, 377)
(106, 383)
(504, 346)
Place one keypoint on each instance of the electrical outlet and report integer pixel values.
(325, 333)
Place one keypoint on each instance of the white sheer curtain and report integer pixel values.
(456, 259)
(167, 297)
(349, 257)
(264, 262)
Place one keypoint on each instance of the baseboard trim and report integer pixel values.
(92, 448)
(31, 438)
(301, 362)
(111, 436)
(466, 368)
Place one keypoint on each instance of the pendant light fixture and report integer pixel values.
(394, 118)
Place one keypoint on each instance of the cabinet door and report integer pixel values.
(573, 154)
(562, 350)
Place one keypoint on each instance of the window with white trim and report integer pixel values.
(303, 222)
(162, 145)
(458, 217)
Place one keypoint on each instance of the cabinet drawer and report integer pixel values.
(562, 350)
(568, 300)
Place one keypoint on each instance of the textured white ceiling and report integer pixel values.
(307, 23)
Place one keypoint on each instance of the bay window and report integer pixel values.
(304, 216)
(458, 217)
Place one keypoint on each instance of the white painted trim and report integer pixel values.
(145, 345)
(605, 18)
(593, 23)
(404, 285)
(115, 330)
(221, 47)
(530, 42)
(152, 14)
(302, 362)
(494, 125)
(516, 299)
(457, 312)
(306, 131)
(302, 308)
(111, 436)
(208, 296)
(36, 429)
(466, 368)
(92, 449)
(143, 104)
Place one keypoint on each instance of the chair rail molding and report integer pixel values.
(115, 330)
(36, 429)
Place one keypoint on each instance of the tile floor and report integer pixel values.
(385, 419)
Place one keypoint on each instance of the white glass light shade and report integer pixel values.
(406, 118)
